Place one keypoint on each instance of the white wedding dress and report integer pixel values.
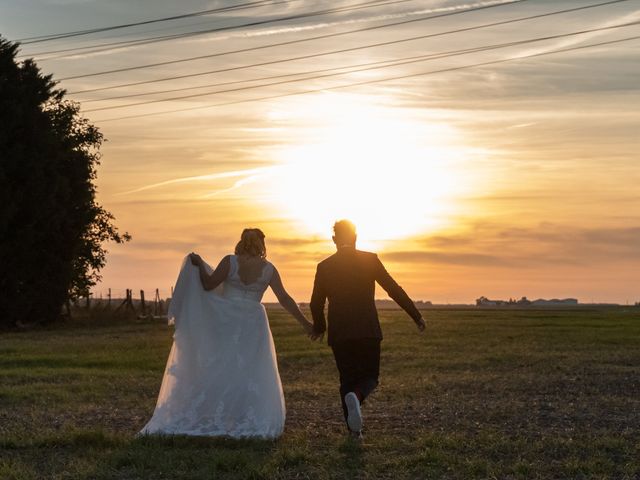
(221, 377)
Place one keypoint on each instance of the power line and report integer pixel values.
(135, 35)
(331, 52)
(378, 64)
(201, 57)
(77, 33)
(382, 64)
(400, 62)
(290, 42)
(235, 82)
(383, 80)
(162, 38)
(308, 39)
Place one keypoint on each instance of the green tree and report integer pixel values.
(52, 230)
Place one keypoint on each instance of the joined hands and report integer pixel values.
(314, 336)
(308, 329)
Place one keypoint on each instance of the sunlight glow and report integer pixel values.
(390, 172)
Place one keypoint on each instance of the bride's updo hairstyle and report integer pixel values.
(252, 243)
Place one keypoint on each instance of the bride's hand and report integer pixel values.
(195, 259)
(308, 328)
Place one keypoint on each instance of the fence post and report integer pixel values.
(127, 303)
(156, 303)
(142, 304)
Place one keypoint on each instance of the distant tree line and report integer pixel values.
(52, 230)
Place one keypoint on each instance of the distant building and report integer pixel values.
(424, 303)
(485, 302)
(525, 302)
(555, 302)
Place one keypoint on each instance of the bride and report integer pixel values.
(221, 377)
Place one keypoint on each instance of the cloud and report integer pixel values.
(571, 41)
(475, 259)
(549, 244)
(248, 174)
(282, 30)
(295, 241)
(374, 18)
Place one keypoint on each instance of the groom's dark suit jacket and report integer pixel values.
(348, 280)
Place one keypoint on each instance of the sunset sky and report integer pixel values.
(507, 179)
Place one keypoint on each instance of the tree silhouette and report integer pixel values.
(52, 229)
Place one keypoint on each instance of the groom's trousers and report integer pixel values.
(358, 361)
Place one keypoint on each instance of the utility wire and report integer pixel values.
(435, 56)
(201, 57)
(290, 42)
(77, 33)
(249, 80)
(162, 38)
(208, 20)
(305, 57)
(350, 68)
(382, 80)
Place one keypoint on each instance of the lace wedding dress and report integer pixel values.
(221, 377)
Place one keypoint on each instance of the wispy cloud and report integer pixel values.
(237, 184)
(388, 16)
(571, 41)
(250, 173)
(291, 29)
(548, 244)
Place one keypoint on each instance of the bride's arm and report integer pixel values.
(219, 275)
(288, 303)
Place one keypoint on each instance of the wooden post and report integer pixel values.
(109, 299)
(130, 300)
(156, 303)
(142, 304)
(127, 303)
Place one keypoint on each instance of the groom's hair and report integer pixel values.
(344, 230)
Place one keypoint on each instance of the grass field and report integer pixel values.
(483, 394)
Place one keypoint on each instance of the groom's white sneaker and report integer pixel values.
(354, 414)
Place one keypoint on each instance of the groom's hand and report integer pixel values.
(314, 336)
(421, 324)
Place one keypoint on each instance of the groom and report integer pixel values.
(347, 279)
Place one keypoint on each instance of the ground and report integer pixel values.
(482, 394)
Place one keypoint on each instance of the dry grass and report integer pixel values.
(484, 394)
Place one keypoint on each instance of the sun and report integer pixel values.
(388, 170)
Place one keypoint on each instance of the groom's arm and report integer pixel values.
(318, 299)
(397, 293)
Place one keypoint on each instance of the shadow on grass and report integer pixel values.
(180, 456)
(352, 459)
